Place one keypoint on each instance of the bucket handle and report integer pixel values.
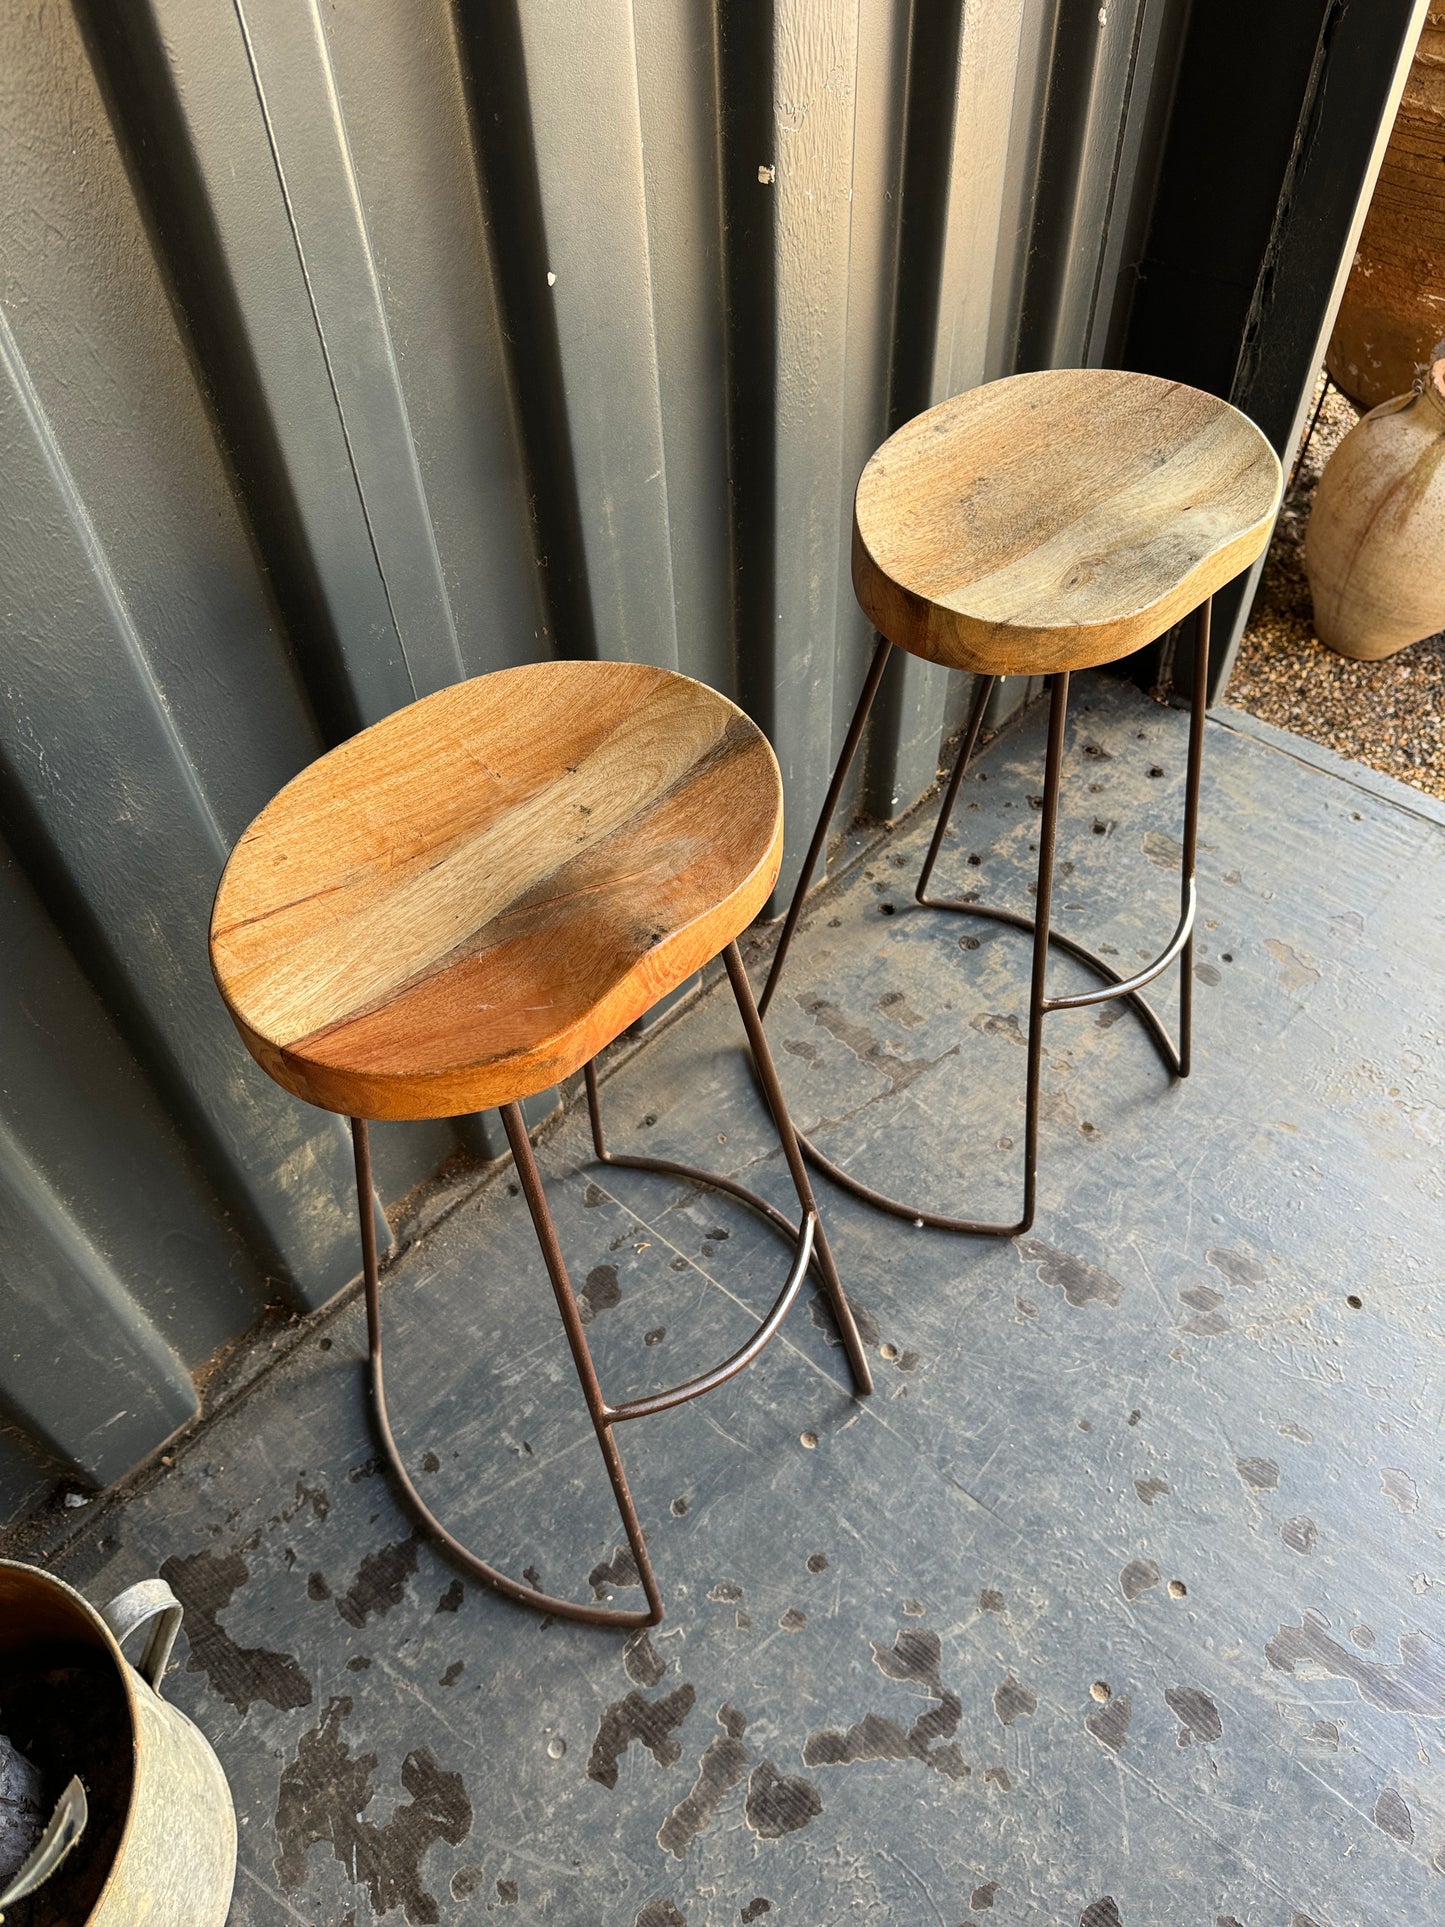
(137, 1606)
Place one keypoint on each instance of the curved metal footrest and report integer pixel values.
(1176, 1057)
(546, 1602)
(810, 1248)
(1125, 988)
(805, 1240)
(735, 1361)
(760, 1058)
(463, 1556)
(610, 1415)
(914, 1214)
(713, 1181)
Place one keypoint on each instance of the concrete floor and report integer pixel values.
(1122, 1601)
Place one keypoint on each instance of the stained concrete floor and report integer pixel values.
(1122, 1601)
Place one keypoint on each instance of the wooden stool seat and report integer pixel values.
(467, 901)
(1059, 520)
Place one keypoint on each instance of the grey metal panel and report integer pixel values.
(582, 78)
(205, 66)
(352, 348)
(678, 102)
(77, 1345)
(405, 119)
(108, 802)
(75, 1102)
(885, 341)
(106, 1225)
(128, 755)
(1144, 89)
(1095, 59)
(805, 172)
(1027, 92)
(295, 87)
(104, 400)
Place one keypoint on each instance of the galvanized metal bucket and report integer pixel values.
(176, 1859)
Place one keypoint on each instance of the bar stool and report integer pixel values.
(1031, 527)
(463, 904)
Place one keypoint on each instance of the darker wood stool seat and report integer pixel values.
(1034, 526)
(463, 904)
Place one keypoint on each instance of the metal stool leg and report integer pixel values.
(1043, 910)
(797, 1170)
(1039, 1003)
(825, 815)
(810, 1248)
(516, 1130)
(1191, 833)
(822, 1256)
(1129, 989)
(950, 795)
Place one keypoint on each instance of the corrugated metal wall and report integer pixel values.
(353, 348)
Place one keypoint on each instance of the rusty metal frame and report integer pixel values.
(1176, 1058)
(811, 1250)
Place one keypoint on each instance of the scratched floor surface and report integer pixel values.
(1122, 1601)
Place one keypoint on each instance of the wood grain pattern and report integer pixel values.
(469, 899)
(1058, 520)
(1393, 311)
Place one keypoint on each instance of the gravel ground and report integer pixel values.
(1388, 714)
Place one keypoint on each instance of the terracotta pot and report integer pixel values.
(1375, 544)
(1394, 302)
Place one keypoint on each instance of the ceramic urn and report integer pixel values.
(1375, 544)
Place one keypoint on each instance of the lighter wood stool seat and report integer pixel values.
(1031, 527)
(466, 902)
